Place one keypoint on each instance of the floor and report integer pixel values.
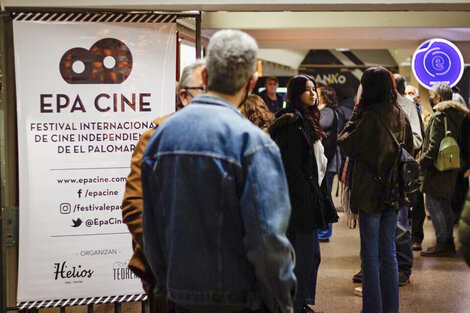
(437, 284)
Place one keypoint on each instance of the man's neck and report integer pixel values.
(233, 99)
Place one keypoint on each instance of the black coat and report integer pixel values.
(464, 231)
(312, 207)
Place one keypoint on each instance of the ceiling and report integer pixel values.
(296, 33)
(287, 29)
(250, 5)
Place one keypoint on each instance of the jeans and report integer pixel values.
(418, 216)
(442, 217)
(379, 261)
(403, 242)
(308, 258)
(326, 233)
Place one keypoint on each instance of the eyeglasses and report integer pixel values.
(202, 88)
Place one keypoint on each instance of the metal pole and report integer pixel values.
(8, 168)
(117, 307)
(198, 35)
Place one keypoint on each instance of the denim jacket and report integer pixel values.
(216, 209)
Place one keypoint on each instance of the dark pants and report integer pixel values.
(418, 216)
(403, 242)
(442, 217)
(458, 197)
(157, 304)
(308, 258)
(176, 308)
(326, 233)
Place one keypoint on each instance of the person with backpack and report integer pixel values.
(332, 124)
(370, 139)
(418, 213)
(439, 174)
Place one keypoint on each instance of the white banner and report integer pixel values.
(85, 93)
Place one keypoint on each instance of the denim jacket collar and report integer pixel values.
(214, 100)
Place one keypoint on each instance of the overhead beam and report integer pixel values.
(249, 5)
(292, 20)
(365, 38)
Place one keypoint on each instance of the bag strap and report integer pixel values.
(389, 130)
(445, 125)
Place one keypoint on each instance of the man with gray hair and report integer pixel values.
(190, 84)
(214, 231)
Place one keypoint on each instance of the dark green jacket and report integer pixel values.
(438, 183)
(368, 143)
(464, 231)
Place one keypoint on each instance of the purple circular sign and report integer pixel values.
(437, 61)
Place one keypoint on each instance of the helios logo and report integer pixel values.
(108, 61)
(62, 271)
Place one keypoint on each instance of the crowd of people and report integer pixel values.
(228, 198)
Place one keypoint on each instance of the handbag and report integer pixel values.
(352, 214)
(408, 167)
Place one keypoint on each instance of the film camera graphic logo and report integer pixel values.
(108, 61)
(437, 60)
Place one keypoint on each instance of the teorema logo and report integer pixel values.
(109, 61)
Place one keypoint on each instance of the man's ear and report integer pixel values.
(204, 75)
(183, 97)
(253, 80)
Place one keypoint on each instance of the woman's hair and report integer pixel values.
(442, 90)
(295, 88)
(378, 86)
(257, 111)
(328, 95)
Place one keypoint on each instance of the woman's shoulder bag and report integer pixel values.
(408, 167)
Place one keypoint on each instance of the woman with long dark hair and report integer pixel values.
(298, 134)
(367, 140)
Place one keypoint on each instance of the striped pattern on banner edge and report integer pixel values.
(79, 301)
(104, 17)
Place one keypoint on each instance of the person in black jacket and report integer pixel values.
(332, 124)
(298, 134)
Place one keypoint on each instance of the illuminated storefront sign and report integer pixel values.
(437, 61)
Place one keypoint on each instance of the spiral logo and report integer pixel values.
(437, 60)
